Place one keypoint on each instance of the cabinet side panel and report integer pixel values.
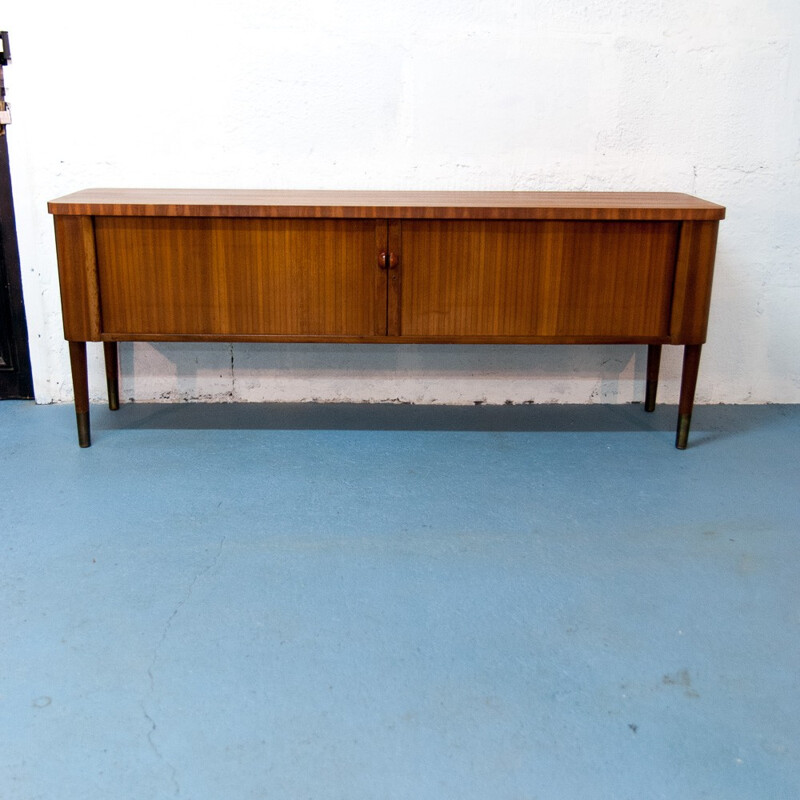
(541, 278)
(227, 277)
(77, 273)
(693, 277)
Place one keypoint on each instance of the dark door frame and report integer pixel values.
(16, 380)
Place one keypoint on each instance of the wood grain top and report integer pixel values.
(253, 203)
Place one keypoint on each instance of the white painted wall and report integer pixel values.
(661, 95)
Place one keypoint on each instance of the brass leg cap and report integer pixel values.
(113, 395)
(84, 434)
(682, 439)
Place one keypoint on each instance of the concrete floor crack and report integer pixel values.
(159, 754)
(178, 607)
(156, 653)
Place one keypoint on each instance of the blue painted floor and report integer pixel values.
(339, 602)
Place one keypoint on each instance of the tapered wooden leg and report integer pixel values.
(80, 387)
(112, 374)
(653, 365)
(691, 364)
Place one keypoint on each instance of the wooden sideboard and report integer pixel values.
(415, 267)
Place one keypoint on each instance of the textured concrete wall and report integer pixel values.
(577, 94)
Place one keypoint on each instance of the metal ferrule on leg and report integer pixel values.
(682, 438)
(113, 394)
(84, 431)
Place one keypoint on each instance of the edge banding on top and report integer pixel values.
(255, 203)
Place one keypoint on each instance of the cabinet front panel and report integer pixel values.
(241, 276)
(537, 278)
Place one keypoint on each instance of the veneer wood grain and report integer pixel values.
(241, 276)
(542, 279)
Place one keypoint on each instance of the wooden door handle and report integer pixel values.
(387, 260)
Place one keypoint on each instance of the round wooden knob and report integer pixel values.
(387, 260)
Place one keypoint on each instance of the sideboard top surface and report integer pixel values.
(254, 203)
